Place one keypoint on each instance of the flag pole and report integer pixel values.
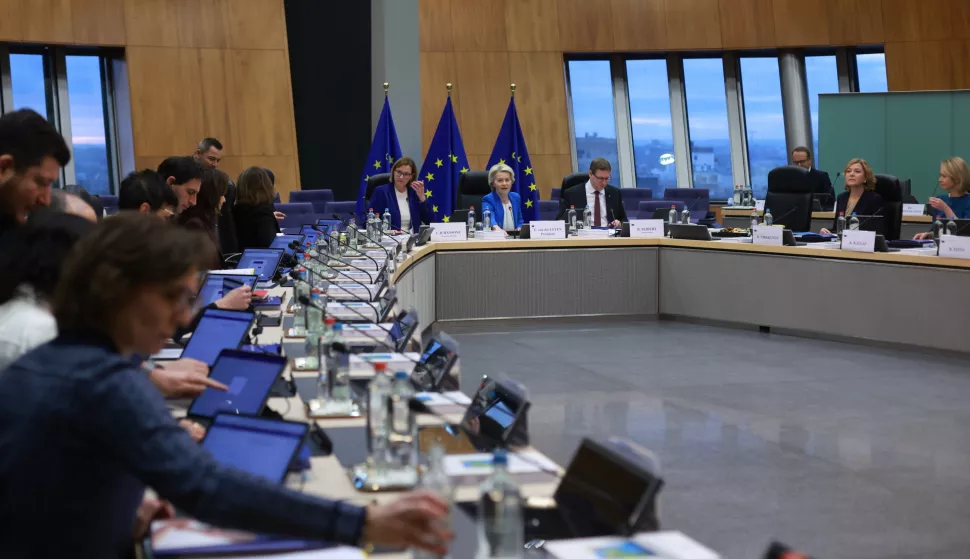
(449, 86)
(513, 90)
(386, 87)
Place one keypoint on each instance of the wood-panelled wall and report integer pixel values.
(484, 45)
(196, 68)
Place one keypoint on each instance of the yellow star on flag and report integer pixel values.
(366, 178)
(528, 203)
(428, 193)
(434, 209)
(528, 170)
(430, 177)
(501, 162)
(513, 155)
(532, 186)
(519, 159)
(438, 163)
(464, 169)
(446, 219)
(377, 164)
(454, 158)
(389, 158)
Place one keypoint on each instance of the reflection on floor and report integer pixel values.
(842, 450)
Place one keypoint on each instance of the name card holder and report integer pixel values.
(914, 209)
(646, 228)
(547, 230)
(859, 241)
(768, 235)
(952, 246)
(443, 232)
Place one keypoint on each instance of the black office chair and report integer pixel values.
(790, 196)
(374, 182)
(471, 187)
(908, 197)
(569, 181)
(891, 191)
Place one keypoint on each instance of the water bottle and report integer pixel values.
(402, 430)
(737, 195)
(768, 218)
(672, 215)
(385, 223)
(314, 328)
(487, 219)
(748, 196)
(371, 220)
(500, 527)
(338, 368)
(571, 220)
(937, 229)
(379, 391)
(301, 289)
(951, 227)
(352, 235)
(334, 247)
(435, 479)
(853, 222)
(685, 216)
(755, 219)
(840, 224)
(324, 353)
(471, 221)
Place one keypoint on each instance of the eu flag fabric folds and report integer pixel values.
(443, 165)
(384, 151)
(510, 149)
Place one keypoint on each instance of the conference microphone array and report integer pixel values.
(343, 274)
(784, 215)
(296, 277)
(362, 233)
(874, 214)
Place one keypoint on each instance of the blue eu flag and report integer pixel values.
(510, 149)
(443, 165)
(384, 151)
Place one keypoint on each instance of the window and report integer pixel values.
(872, 73)
(88, 137)
(653, 134)
(707, 125)
(591, 85)
(764, 119)
(28, 82)
(822, 75)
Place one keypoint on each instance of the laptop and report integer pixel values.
(433, 372)
(249, 376)
(263, 260)
(215, 286)
(284, 242)
(256, 445)
(217, 330)
(689, 231)
(311, 233)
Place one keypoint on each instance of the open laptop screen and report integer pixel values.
(259, 446)
(249, 376)
(263, 260)
(217, 285)
(217, 330)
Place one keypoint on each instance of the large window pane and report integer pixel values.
(822, 75)
(872, 73)
(27, 82)
(653, 133)
(710, 142)
(765, 119)
(84, 89)
(591, 87)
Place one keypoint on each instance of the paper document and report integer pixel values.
(663, 545)
(526, 462)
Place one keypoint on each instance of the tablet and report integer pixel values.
(263, 260)
(216, 285)
(284, 242)
(256, 445)
(249, 376)
(217, 330)
(311, 232)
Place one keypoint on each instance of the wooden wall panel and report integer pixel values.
(190, 126)
(437, 69)
(218, 98)
(484, 81)
(479, 25)
(801, 23)
(532, 25)
(256, 24)
(47, 21)
(540, 98)
(855, 22)
(435, 26)
(148, 161)
(99, 22)
(155, 81)
(12, 22)
(261, 91)
(203, 24)
(145, 21)
(747, 24)
(900, 20)
(925, 65)
(477, 162)
(639, 25)
(693, 24)
(585, 25)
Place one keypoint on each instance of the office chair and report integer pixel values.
(891, 191)
(697, 200)
(573, 179)
(296, 214)
(318, 198)
(790, 197)
(374, 182)
(471, 187)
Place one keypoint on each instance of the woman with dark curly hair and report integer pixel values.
(204, 215)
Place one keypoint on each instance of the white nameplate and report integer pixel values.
(646, 228)
(449, 232)
(913, 209)
(859, 241)
(952, 246)
(547, 229)
(595, 233)
(768, 235)
(759, 205)
(491, 235)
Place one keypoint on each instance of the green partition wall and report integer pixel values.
(905, 134)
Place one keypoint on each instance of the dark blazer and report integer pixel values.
(869, 204)
(227, 226)
(821, 183)
(256, 226)
(576, 196)
(384, 197)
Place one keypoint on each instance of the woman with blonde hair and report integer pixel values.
(955, 181)
(505, 205)
(254, 213)
(859, 197)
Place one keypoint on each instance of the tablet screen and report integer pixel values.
(262, 447)
(249, 376)
(217, 330)
(263, 260)
(284, 241)
(216, 286)
(311, 233)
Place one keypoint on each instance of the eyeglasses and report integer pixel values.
(802, 162)
(403, 174)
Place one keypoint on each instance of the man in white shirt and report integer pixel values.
(603, 200)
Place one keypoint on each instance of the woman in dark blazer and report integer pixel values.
(204, 215)
(404, 198)
(505, 205)
(860, 197)
(254, 214)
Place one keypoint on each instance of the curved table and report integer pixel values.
(892, 298)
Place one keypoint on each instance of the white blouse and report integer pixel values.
(404, 208)
(508, 222)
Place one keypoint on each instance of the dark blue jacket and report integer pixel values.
(383, 197)
(494, 205)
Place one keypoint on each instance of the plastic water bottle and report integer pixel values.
(685, 216)
(737, 195)
(314, 328)
(371, 221)
(385, 223)
(951, 227)
(471, 221)
(324, 353)
(853, 222)
(379, 391)
(401, 424)
(755, 219)
(768, 218)
(334, 247)
(748, 196)
(338, 368)
(301, 289)
(500, 528)
(352, 238)
(571, 220)
(937, 229)
(486, 219)
(840, 224)
(672, 215)
(436, 480)
(587, 217)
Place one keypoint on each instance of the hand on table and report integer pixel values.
(416, 520)
(149, 510)
(418, 187)
(184, 378)
(922, 236)
(825, 231)
(279, 215)
(616, 224)
(238, 299)
(497, 228)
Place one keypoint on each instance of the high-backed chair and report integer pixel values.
(318, 198)
(891, 191)
(548, 209)
(572, 180)
(556, 194)
(344, 210)
(109, 202)
(697, 200)
(633, 196)
(374, 182)
(790, 194)
(471, 187)
(296, 214)
(647, 208)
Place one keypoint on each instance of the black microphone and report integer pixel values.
(369, 238)
(342, 273)
(382, 312)
(786, 214)
(874, 214)
(690, 209)
(296, 276)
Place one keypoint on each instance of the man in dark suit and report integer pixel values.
(604, 200)
(802, 157)
(209, 154)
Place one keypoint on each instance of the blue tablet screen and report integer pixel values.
(284, 241)
(263, 260)
(216, 286)
(311, 233)
(261, 447)
(249, 376)
(217, 330)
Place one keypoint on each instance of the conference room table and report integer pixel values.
(728, 217)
